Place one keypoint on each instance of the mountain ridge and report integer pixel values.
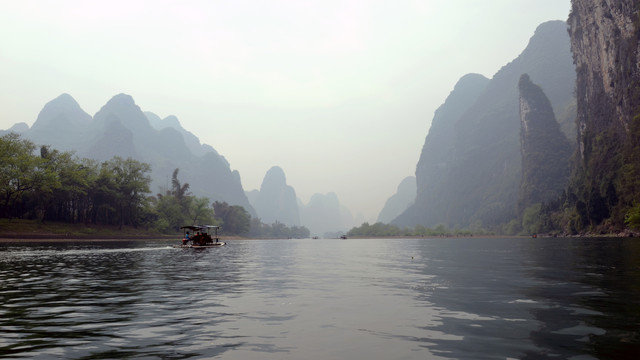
(121, 128)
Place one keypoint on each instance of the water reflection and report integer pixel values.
(591, 292)
(374, 299)
(143, 301)
(530, 299)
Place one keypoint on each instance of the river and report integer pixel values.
(471, 298)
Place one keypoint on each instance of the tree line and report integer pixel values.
(381, 229)
(50, 185)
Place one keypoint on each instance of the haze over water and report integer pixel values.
(329, 299)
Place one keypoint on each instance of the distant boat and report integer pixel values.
(198, 236)
(343, 237)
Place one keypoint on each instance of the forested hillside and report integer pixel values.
(121, 128)
(45, 184)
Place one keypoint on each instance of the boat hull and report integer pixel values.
(189, 246)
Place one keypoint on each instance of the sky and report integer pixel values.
(339, 93)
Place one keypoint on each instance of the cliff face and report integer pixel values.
(545, 149)
(604, 42)
(605, 46)
(470, 167)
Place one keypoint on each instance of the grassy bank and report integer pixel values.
(33, 229)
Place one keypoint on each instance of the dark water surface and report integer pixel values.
(323, 299)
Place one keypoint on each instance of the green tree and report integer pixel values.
(632, 218)
(531, 219)
(130, 184)
(200, 211)
(234, 218)
(18, 172)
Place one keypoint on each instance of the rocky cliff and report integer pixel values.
(470, 167)
(605, 46)
(545, 149)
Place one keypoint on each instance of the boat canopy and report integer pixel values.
(199, 227)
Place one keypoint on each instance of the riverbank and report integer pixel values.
(18, 229)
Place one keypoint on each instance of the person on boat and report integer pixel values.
(186, 238)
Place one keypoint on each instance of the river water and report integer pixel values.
(323, 299)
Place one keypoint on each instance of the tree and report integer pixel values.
(130, 184)
(200, 211)
(17, 172)
(235, 219)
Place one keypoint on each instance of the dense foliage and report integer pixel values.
(277, 230)
(49, 185)
(380, 229)
(55, 186)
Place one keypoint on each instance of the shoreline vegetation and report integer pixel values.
(20, 230)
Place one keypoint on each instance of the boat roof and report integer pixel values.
(199, 227)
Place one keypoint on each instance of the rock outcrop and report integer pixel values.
(545, 150)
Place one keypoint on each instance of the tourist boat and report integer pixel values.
(199, 236)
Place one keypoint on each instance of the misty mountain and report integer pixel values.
(18, 128)
(325, 216)
(120, 128)
(62, 124)
(545, 149)
(470, 167)
(275, 201)
(192, 141)
(400, 201)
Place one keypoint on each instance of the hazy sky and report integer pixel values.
(339, 93)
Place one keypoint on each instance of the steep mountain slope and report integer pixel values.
(400, 201)
(438, 154)
(605, 44)
(545, 149)
(192, 141)
(478, 180)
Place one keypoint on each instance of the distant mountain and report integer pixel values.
(545, 149)
(192, 141)
(438, 155)
(400, 201)
(62, 122)
(324, 216)
(120, 128)
(276, 201)
(470, 167)
(16, 128)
